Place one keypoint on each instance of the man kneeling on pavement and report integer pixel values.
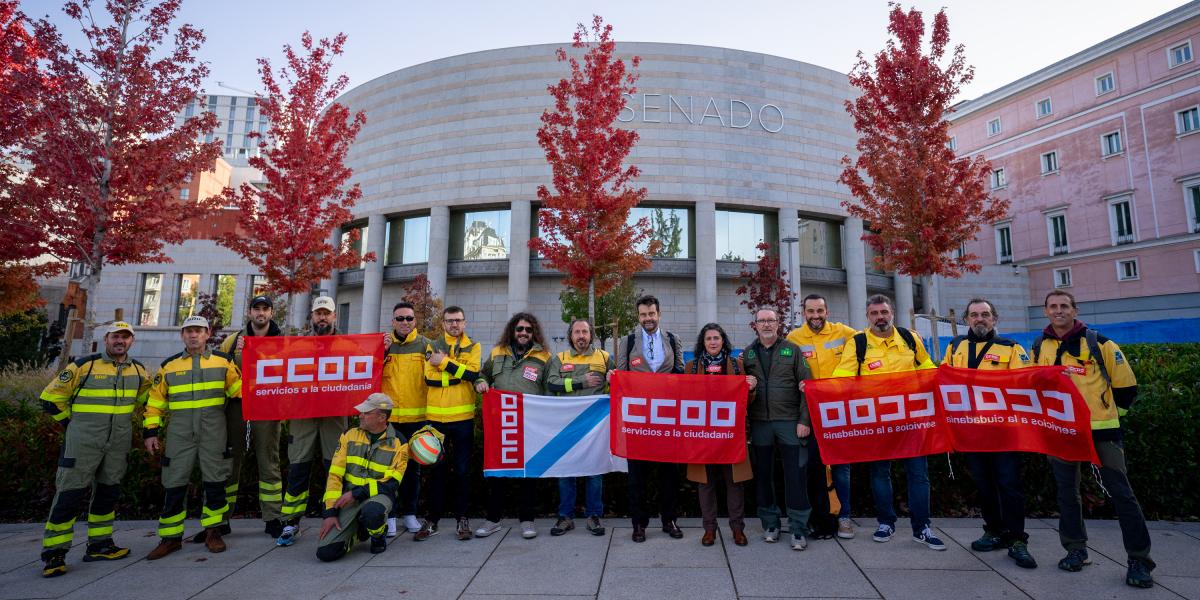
(364, 479)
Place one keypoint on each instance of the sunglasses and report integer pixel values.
(523, 329)
(403, 319)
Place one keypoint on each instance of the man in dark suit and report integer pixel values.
(652, 350)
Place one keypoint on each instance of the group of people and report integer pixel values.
(432, 387)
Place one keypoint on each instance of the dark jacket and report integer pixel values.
(777, 396)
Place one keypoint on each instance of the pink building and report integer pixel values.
(1099, 156)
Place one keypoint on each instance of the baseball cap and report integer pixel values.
(324, 302)
(194, 321)
(116, 326)
(376, 401)
(262, 300)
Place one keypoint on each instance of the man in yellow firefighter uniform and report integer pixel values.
(404, 382)
(192, 387)
(96, 395)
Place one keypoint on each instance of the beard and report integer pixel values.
(980, 330)
(322, 328)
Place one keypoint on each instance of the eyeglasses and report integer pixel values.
(766, 321)
(454, 320)
(403, 319)
(523, 329)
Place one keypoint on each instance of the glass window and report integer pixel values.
(1062, 278)
(1111, 143)
(479, 235)
(190, 110)
(1057, 228)
(1127, 270)
(184, 193)
(993, 127)
(407, 241)
(1004, 251)
(226, 286)
(670, 226)
(1122, 223)
(953, 143)
(359, 244)
(1105, 84)
(820, 243)
(1049, 162)
(343, 318)
(1043, 108)
(1187, 121)
(189, 287)
(257, 287)
(1180, 54)
(151, 299)
(1193, 199)
(738, 235)
(998, 179)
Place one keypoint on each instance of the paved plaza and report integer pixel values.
(579, 565)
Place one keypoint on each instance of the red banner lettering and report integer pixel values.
(503, 426)
(304, 377)
(697, 419)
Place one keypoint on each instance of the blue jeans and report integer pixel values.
(917, 471)
(593, 490)
(841, 486)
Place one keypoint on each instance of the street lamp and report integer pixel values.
(789, 241)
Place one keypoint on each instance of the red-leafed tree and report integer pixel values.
(107, 157)
(766, 285)
(921, 201)
(285, 227)
(584, 225)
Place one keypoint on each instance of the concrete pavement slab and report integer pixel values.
(1175, 553)
(1188, 587)
(144, 581)
(824, 570)
(290, 573)
(442, 550)
(938, 583)
(901, 551)
(666, 583)
(375, 582)
(568, 564)
(659, 550)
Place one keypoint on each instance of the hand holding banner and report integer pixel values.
(697, 419)
(546, 436)
(304, 377)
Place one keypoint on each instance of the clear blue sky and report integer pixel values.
(1004, 40)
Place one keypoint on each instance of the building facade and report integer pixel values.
(1099, 156)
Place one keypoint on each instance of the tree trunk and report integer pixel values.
(592, 301)
(91, 283)
(929, 294)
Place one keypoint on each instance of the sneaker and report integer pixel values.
(378, 544)
(884, 533)
(411, 523)
(988, 542)
(273, 528)
(1138, 574)
(595, 526)
(488, 528)
(845, 528)
(391, 528)
(1074, 561)
(427, 530)
(798, 542)
(463, 529)
(105, 550)
(771, 536)
(562, 526)
(56, 564)
(289, 535)
(528, 531)
(1019, 551)
(926, 537)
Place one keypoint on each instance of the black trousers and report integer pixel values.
(500, 492)
(997, 477)
(460, 436)
(1071, 531)
(666, 476)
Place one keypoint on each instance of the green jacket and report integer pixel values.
(777, 396)
(528, 376)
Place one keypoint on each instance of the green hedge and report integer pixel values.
(1162, 436)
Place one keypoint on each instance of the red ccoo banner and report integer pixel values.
(698, 419)
(304, 377)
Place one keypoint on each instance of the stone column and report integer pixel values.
(372, 292)
(518, 256)
(439, 250)
(706, 263)
(904, 299)
(854, 259)
(789, 258)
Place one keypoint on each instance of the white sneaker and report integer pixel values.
(489, 527)
(798, 542)
(411, 523)
(527, 530)
(391, 527)
(771, 536)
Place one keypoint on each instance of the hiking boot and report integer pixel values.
(164, 548)
(845, 528)
(488, 528)
(929, 539)
(771, 535)
(428, 529)
(273, 528)
(288, 536)
(562, 526)
(104, 550)
(392, 528)
(202, 537)
(528, 531)
(1074, 561)
(988, 542)
(595, 526)
(463, 529)
(56, 564)
(411, 523)
(1138, 574)
(1019, 551)
(798, 542)
(378, 544)
(883, 533)
(214, 543)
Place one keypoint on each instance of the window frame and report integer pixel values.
(1042, 162)
(952, 143)
(1112, 78)
(1104, 146)
(1050, 233)
(1190, 206)
(1054, 278)
(998, 179)
(177, 317)
(1195, 120)
(999, 127)
(1000, 256)
(1171, 64)
(141, 299)
(1037, 108)
(1114, 235)
(1137, 269)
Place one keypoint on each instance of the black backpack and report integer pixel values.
(860, 346)
(1092, 338)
